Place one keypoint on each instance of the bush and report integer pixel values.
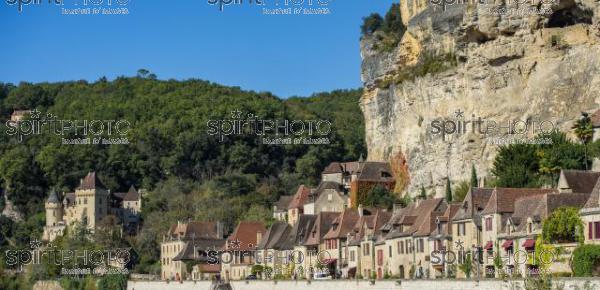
(371, 24)
(585, 259)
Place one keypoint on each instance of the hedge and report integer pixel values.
(585, 259)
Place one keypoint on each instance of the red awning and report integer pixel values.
(489, 245)
(328, 261)
(507, 244)
(529, 243)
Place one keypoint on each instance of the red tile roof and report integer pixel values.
(300, 197)
(320, 227)
(245, 235)
(91, 181)
(343, 224)
(503, 199)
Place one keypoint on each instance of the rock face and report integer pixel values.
(542, 68)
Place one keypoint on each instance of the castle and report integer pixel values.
(89, 205)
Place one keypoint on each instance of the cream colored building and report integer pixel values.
(88, 206)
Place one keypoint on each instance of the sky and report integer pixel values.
(288, 55)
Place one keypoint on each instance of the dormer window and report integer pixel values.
(529, 227)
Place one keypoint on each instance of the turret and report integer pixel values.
(54, 209)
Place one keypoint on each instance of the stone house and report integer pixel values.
(240, 248)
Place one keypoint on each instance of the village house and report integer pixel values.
(314, 245)
(577, 181)
(372, 259)
(499, 208)
(19, 115)
(467, 227)
(191, 242)
(336, 238)
(296, 205)
(90, 204)
(280, 208)
(329, 197)
(590, 215)
(397, 238)
(521, 230)
(441, 242)
(427, 211)
(240, 248)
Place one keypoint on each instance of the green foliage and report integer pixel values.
(257, 270)
(563, 226)
(583, 128)
(474, 179)
(430, 63)
(466, 266)
(448, 190)
(371, 24)
(379, 197)
(112, 282)
(388, 31)
(529, 165)
(586, 260)
(423, 193)
(460, 191)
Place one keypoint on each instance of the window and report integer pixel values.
(488, 224)
(529, 228)
(379, 257)
(366, 250)
(460, 229)
(400, 245)
(390, 251)
(85, 200)
(352, 256)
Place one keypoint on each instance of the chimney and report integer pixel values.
(219, 230)
(360, 210)
(258, 237)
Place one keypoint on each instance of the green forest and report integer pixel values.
(185, 172)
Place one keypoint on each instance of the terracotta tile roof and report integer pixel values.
(320, 227)
(300, 197)
(342, 167)
(426, 213)
(195, 230)
(539, 207)
(400, 216)
(581, 181)
(503, 199)
(245, 235)
(91, 181)
(131, 195)
(343, 224)
(376, 171)
(474, 202)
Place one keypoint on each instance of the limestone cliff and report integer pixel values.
(509, 67)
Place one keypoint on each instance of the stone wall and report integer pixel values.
(570, 283)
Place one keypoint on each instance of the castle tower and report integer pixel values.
(54, 210)
(91, 201)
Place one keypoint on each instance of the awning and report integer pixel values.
(328, 261)
(507, 244)
(529, 243)
(489, 245)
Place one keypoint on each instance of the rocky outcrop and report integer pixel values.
(542, 68)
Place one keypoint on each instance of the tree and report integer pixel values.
(393, 21)
(371, 24)
(517, 165)
(474, 180)
(423, 194)
(460, 191)
(379, 196)
(584, 131)
(563, 226)
(448, 190)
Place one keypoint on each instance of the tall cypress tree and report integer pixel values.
(423, 194)
(448, 190)
(474, 182)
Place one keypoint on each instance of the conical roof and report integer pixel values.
(53, 197)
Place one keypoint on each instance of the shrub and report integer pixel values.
(585, 259)
(371, 24)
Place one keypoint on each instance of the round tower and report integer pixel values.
(54, 210)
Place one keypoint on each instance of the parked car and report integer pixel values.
(251, 277)
(322, 276)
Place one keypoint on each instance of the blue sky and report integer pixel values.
(289, 55)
